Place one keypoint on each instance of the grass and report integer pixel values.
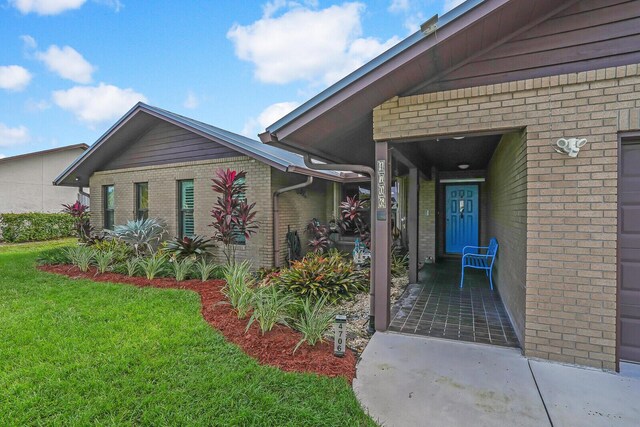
(77, 352)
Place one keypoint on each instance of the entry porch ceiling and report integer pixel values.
(337, 125)
(446, 153)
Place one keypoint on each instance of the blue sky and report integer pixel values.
(70, 68)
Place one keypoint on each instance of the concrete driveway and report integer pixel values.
(406, 380)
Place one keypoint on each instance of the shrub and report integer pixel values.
(313, 321)
(121, 251)
(188, 246)
(399, 263)
(143, 235)
(131, 266)
(81, 220)
(30, 227)
(239, 289)
(181, 268)
(53, 256)
(270, 306)
(80, 256)
(206, 270)
(318, 236)
(318, 275)
(103, 260)
(153, 265)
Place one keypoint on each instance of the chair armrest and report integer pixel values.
(464, 250)
(476, 256)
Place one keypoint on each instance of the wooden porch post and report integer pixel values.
(412, 231)
(382, 236)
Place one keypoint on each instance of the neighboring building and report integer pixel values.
(26, 181)
(478, 100)
(154, 163)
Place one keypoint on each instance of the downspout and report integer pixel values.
(367, 171)
(276, 217)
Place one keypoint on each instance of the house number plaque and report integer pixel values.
(381, 172)
(339, 341)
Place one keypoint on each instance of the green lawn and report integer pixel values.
(77, 352)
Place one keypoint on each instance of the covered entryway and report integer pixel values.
(629, 251)
(462, 191)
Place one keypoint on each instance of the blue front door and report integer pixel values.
(462, 217)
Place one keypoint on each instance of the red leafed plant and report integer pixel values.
(351, 217)
(80, 214)
(233, 216)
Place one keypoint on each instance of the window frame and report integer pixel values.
(108, 213)
(139, 210)
(182, 211)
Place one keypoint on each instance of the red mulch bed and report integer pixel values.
(275, 348)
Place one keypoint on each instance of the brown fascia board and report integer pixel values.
(49, 151)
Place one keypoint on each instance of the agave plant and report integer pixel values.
(187, 246)
(143, 235)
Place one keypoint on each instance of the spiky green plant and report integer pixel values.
(103, 260)
(153, 265)
(314, 319)
(239, 288)
(270, 306)
(205, 270)
(131, 266)
(143, 235)
(80, 256)
(181, 268)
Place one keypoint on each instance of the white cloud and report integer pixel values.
(33, 106)
(191, 101)
(399, 6)
(268, 116)
(116, 5)
(450, 4)
(46, 7)
(68, 63)
(14, 77)
(2, 156)
(96, 104)
(306, 44)
(28, 41)
(13, 136)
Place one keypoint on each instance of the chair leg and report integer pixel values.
(491, 278)
(462, 278)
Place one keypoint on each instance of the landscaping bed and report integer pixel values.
(275, 348)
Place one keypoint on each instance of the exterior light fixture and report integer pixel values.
(463, 166)
(569, 146)
(77, 178)
(458, 137)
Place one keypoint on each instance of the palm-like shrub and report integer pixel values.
(318, 275)
(80, 256)
(189, 246)
(131, 266)
(80, 214)
(314, 319)
(143, 235)
(153, 265)
(270, 306)
(181, 268)
(103, 260)
(206, 270)
(233, 217)
(239, 288)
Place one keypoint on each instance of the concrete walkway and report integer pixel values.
(406, 380)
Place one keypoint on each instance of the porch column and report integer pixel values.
(382, 236)
(412, 226)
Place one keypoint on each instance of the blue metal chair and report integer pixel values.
(480, 261)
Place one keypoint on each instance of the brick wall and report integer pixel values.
(163, 202)
(296, 209)
(506, 205)
(571, 202)
(427, 223)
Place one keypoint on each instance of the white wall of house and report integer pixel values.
(26, 182)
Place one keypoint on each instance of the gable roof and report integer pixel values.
(143, 116)
(45, 152)
(337, 124)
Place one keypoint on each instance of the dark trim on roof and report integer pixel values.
(43, 152)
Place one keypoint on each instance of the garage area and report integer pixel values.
(629, 251)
